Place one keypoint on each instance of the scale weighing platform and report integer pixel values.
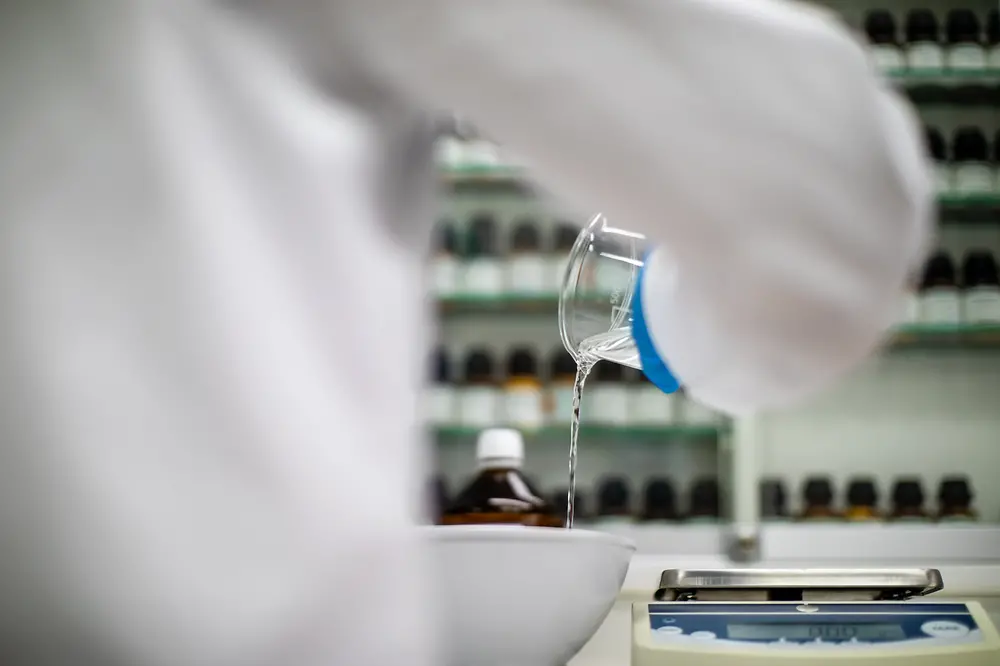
(812, 617)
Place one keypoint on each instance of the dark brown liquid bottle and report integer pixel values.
(500, 493)
(818, 496)
(862, 500)
(955, 499)
(908, 500)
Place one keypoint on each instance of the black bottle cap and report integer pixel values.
(880, 26)
(522, 363)
(922, 26)
(908, 494)
(818, 491)
(979, 269)
(660, 500)
(955, 491)
(993, 26)
(609, 372)
(482, 236)
(446, 237)
(566, 234)
(969, 145)
(934, 141)
(704, 498)
(772, 498)
(862, 492)
(562, 364)
(525, 237)
(613, 497)
(479, 367)
(962, 27)
(939, 272)
(441, 366)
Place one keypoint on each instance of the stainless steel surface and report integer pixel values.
(797, 584)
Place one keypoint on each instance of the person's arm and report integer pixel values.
(752, 139)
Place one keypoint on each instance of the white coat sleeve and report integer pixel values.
(784, 181)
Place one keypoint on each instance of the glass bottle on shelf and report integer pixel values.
(955, 500)
(980, 288)
(939, 297)
(446, 263)
(908, 500)
(500, 493)
(773, 500)
(614, 502)
(580, 515)
(923, 41)
(562, 375)
(993, 39)
(565, 238)
(606, 396)
(438, 497)
(659, 500)
(972, 171)
(479, 398)
(883, 40)
(483, 274)
(523, 390)
(862, 501)
(938, 150)
(526, 266)
(703, 503)
(818, 495)
(965, 42)
(441, 393)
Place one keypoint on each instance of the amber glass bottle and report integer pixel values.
(500, 493)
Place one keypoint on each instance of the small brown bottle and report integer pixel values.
(862, 501)
(818, 495)
(908, 500)
(955, 499)
(500, 493)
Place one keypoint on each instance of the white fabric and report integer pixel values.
(214, 220)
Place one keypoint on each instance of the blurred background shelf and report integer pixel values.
(635, 433)
(959, 335)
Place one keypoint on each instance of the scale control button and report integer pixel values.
(806, 608)
(704, 635)
(944, 629)
(669, 631)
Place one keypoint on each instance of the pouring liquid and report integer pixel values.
(615, 346)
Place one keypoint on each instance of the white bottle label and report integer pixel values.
(993, 57)
(446, 272)
(481, 153)
(526, 274)
(981, 305)
(523, 407)
(649, 405)
(478, 406)
(887, 58)
(606, 405)
(974, 178)
(557, 271)
(449, 152)
(967, 57)
(925, 56)
(943, 178)
(940, 305)
(910, 309)
(441, 405)
(482, 277)
(560, 404)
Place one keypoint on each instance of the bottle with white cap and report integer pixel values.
(500, 493)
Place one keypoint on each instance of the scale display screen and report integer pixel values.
(825, 631)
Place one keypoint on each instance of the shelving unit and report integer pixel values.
(928, 406)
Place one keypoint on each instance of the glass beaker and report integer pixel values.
(600, 306)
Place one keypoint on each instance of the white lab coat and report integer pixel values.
(214, 220)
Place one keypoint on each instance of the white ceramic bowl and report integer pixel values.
(524, 596)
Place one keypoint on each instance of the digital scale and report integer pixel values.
(812, 617)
